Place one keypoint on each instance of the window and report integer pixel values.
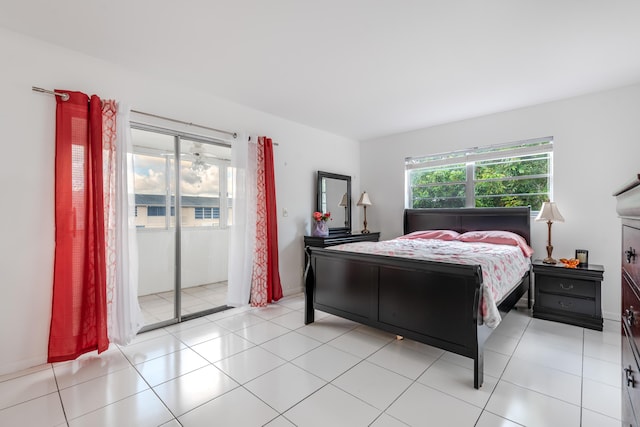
(195, 168)
(207, 213)
(514, 174)
(156, 211)
(160, 211)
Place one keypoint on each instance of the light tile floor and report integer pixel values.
(160, 306)
(263, 366)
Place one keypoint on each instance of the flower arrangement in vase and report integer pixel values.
(320, 228)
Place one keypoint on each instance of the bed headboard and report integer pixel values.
(516, 220)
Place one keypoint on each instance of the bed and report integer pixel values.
(408, 297)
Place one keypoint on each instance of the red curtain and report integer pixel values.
(265, 284)
(78, 318)
(274, 287)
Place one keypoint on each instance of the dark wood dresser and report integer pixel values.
(568, 295)
(628, 208)
(337, 239)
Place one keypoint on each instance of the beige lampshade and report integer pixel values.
(364, 200)
(345, 201)
(549, 212)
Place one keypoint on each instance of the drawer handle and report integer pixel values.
(630, 254)
(630, 317)
(631, 382)
(565, 287)
(565, 304)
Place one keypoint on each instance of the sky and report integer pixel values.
(150, 177)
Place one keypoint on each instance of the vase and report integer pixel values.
(320, 229)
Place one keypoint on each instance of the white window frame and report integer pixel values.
(469, 157)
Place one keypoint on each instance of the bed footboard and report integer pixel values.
(431, 302)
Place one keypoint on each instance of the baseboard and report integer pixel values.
(22, 365)
(611, 316)
(287, 292)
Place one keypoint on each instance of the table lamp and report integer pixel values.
(344, 203)
(549, 212)
(364, 201)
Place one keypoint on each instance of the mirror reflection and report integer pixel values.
(334, 195)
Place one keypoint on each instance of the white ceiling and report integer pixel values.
(358, 68)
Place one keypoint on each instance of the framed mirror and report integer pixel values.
(334, 195)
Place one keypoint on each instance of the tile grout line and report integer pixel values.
(55, 378)
(153, 391)
(240, 385)
(484, 408)
(306, 371)
(131, 364)
(361, 359)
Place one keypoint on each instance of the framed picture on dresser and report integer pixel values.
(582, 255)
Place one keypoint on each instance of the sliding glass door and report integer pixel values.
(204, 234)
(182, 215)
(154, 180)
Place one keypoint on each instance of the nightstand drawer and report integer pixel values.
(565, 286)
(564, 303)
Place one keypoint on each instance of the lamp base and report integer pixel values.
(365, 231)
(549, 259)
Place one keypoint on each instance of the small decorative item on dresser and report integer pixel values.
(570, 263)
(582, 255)
(319, 227)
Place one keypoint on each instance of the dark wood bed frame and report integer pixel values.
(435, 303)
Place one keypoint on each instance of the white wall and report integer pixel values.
(27, 122)
(597, 150)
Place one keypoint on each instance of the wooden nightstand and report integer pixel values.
(568, 295)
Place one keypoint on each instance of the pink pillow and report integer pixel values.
(497, 237)
(432, 234)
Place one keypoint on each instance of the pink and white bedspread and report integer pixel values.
(502, 265)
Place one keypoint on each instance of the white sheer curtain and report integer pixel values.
(124, 317)
(242, 238)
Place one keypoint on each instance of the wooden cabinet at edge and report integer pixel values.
(628, 209)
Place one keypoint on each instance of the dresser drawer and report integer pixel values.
(631, 310)
(564, 303)
(565, 286)
(630, 375)
(631, 242)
